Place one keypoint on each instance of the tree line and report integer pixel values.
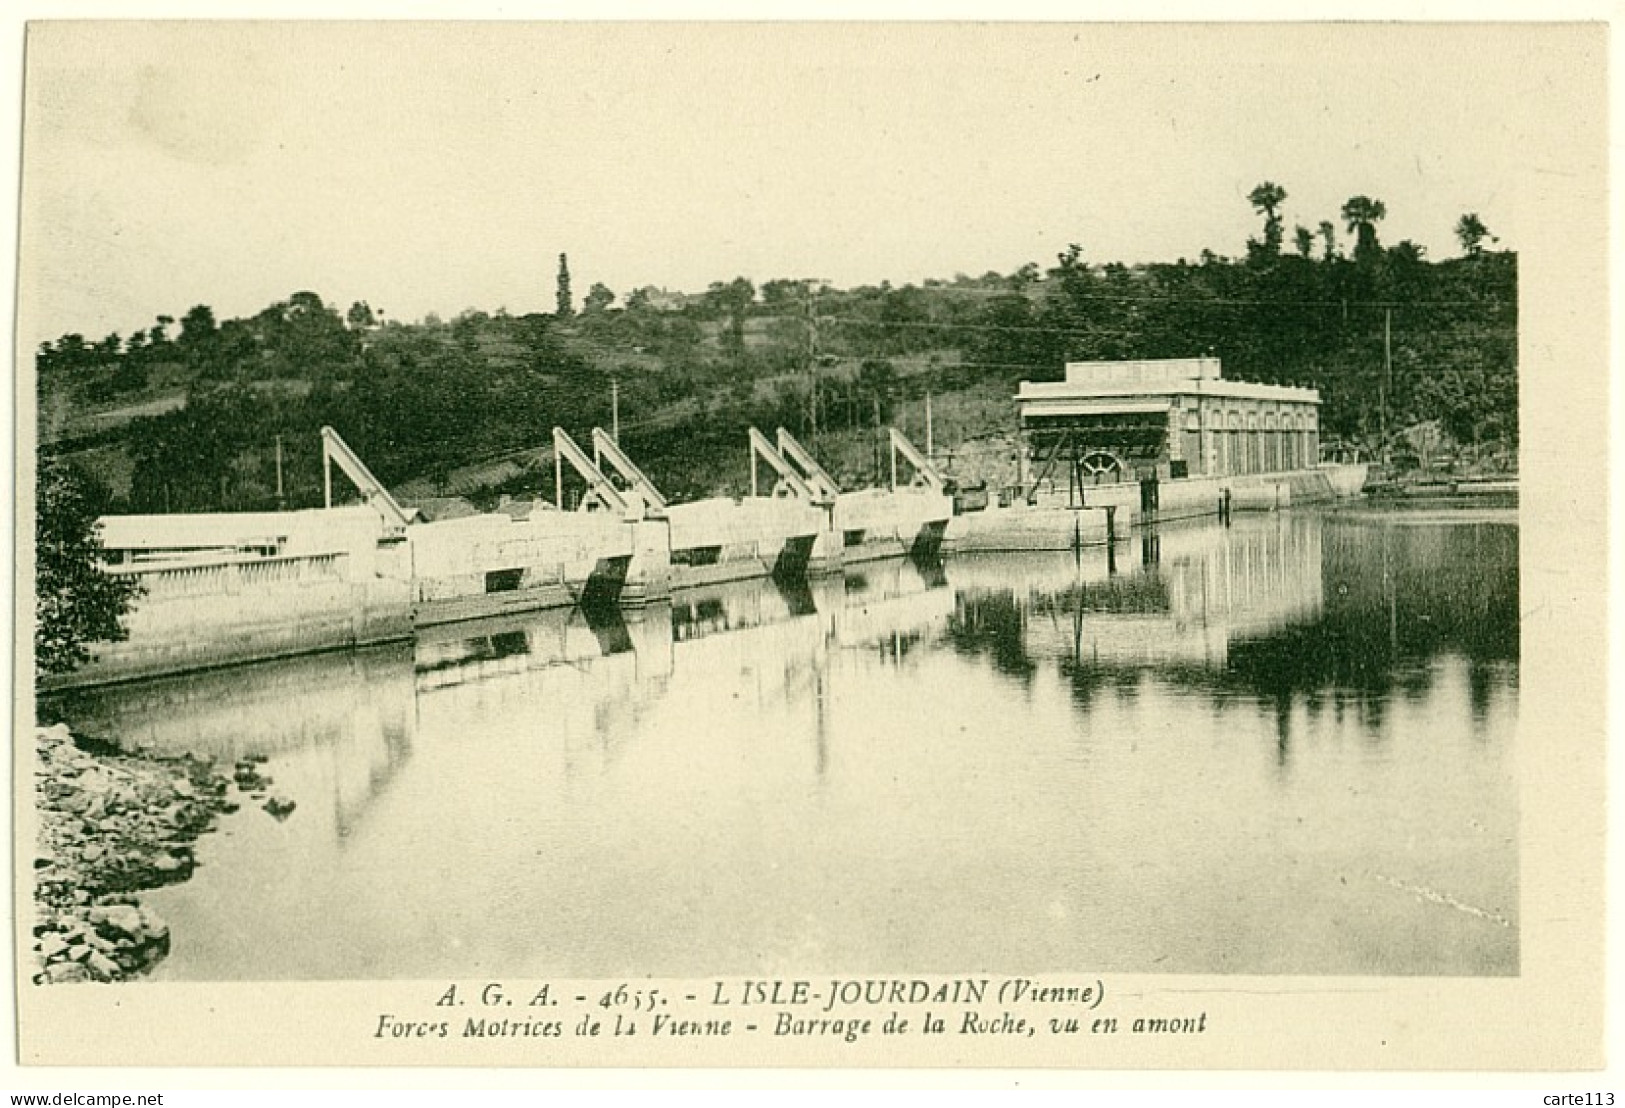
(1390, 337)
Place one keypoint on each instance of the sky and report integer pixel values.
(437, 168)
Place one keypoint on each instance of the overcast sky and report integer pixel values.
(437, 168)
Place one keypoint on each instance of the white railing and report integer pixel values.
(188, 582)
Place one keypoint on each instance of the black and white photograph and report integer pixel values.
(733, 538)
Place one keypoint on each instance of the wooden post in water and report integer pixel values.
(1111, 540)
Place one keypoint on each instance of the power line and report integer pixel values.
(1484, 328)
(1252, 302)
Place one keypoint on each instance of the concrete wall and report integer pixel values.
(726, 540)
(1024, 528)
(883, 523)
(348, 585)
(1051, 523)
(203, 616)
(488, 564)
(1346, 480)
(1184, 499)
(1199, 496)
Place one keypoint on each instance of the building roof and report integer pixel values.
(1145, 385)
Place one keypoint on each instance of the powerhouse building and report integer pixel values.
(1118, 421)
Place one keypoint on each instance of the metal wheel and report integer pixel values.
(1102, 466)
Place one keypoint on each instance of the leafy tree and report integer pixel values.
(197, 326)
(360, 316)
(1266, 199)
(1405, 276)
(1304, 239)
(1361, 214)
(566, 305)
(733, 300)
(300, 337)
(599, 297)
(77, 602)
(1328, 238)
(1471, 233)
(783, 293)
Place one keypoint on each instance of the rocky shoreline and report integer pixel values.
(110, 826)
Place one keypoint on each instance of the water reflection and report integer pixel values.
(355, 708)
(1278, 607)
(908, 767)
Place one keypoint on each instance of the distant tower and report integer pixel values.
(566, 306)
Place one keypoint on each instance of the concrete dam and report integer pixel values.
(228, 588)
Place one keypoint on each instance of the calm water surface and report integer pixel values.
(1285, 746)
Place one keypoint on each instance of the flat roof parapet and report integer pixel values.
(1151, 381)
(1144, 371)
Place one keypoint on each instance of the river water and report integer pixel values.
(1285, 746)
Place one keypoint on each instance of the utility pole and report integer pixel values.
(1387, 373)
(615, 410)
(877, 438)
(813, 284)
(280, 503)
(930, 443)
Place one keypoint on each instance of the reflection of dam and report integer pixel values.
(886, 601)
(345, 721)
(345, 726)
(1182, 594)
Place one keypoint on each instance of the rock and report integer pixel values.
(280, 807)
(114, 822)
(104, 967)
(167, 863)
(63, 973)
(118, 919)
(153, 926)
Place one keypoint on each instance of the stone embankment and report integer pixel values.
(110, 826)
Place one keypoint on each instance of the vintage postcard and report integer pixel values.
(846, 545)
